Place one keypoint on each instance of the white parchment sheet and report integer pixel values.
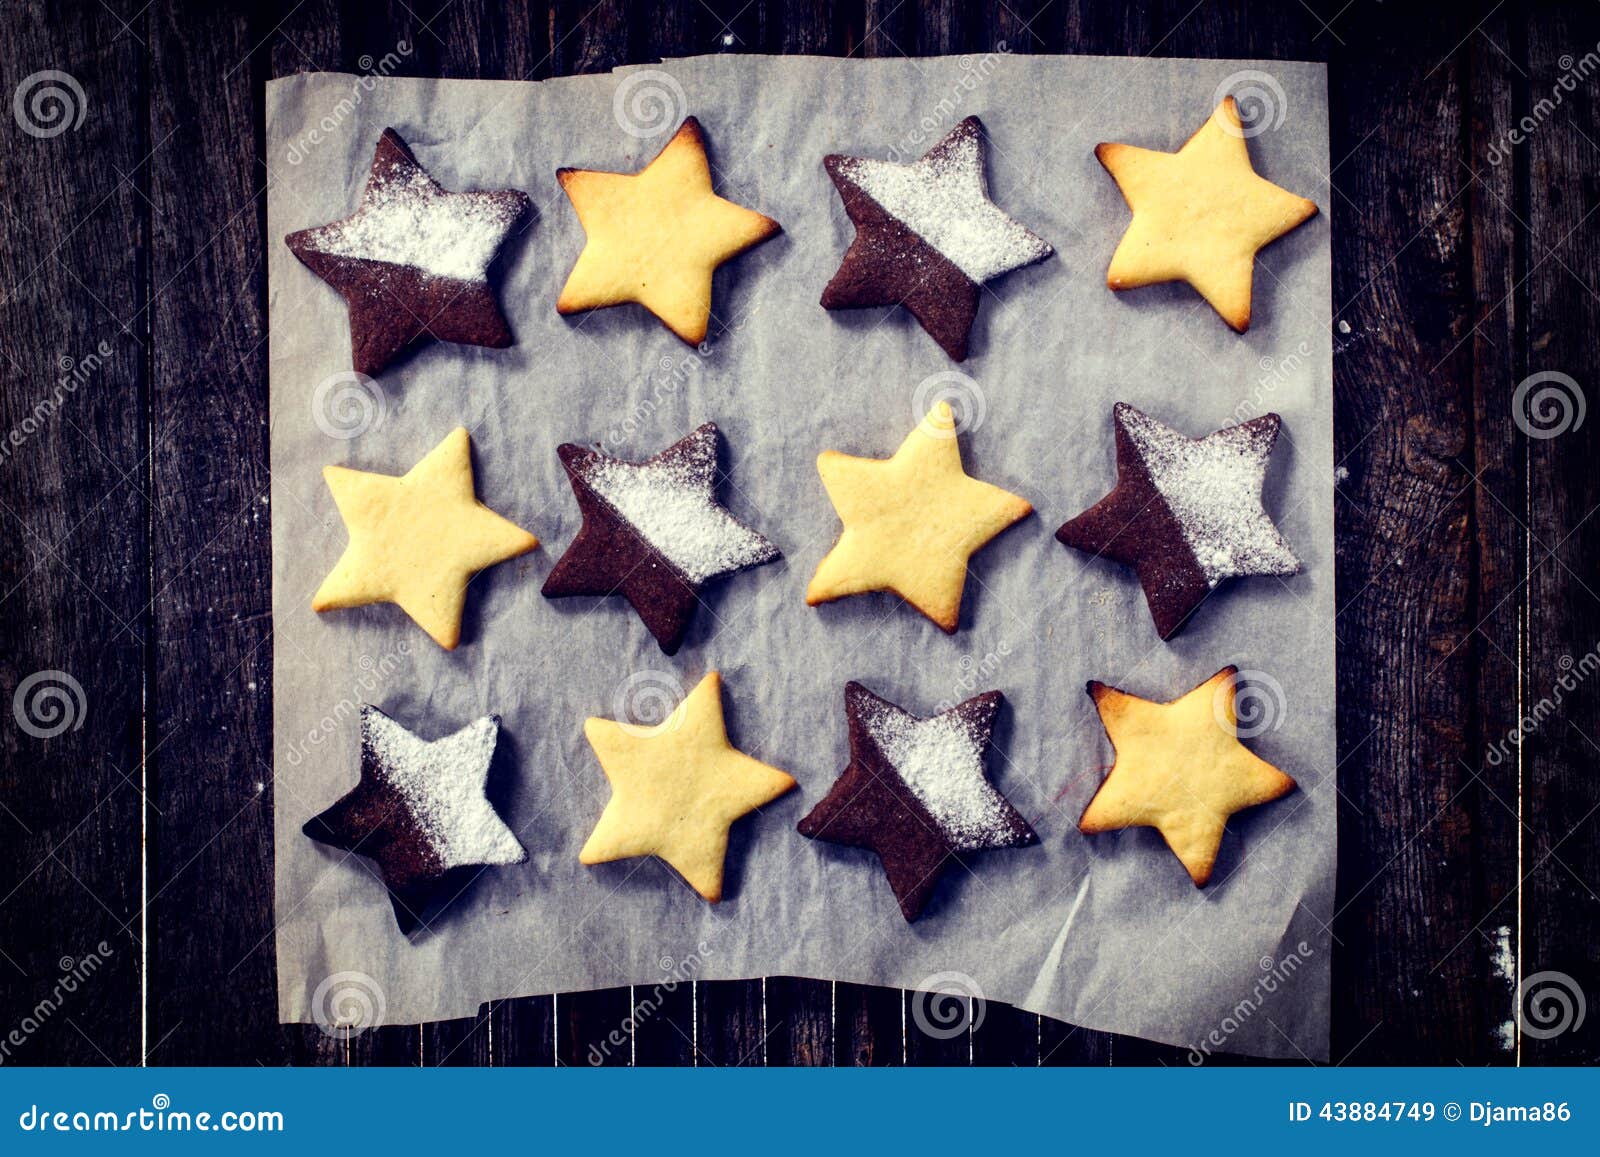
(1104, 932)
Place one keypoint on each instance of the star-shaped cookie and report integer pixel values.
(911, 522)
(419, 811)
(656, 236)
(1199, 215)
(653, 532)
(1186, 513)
(927, 236)
(1180, 769)
(412, 262)
(676, 788)
(915, 792)
(417, 540)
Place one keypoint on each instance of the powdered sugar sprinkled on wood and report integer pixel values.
(442, 783)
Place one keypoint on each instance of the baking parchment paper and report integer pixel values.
(1106, 932)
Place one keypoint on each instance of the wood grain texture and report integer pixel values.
(1497, 62)
(1559, 953)
(75, 566)
(139, 560)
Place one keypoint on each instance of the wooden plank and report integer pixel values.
(1497, 204)
(811, 27)
(74, 587)
(938, 1027)
(868, 1026)
(1402, 283)
(211, 716)
(664, 1021)
(799, 1022)
(1558, 958)
(1065, 1044)
(522, 1031)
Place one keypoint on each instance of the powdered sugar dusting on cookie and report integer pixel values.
(944, 199)
(941, 761)
(671, 502)
(407, 218)
(442, 783)
(1213, 485)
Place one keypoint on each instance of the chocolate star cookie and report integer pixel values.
(412, 262)
(927, 236)
(1186, 513)
(915, 792)
(420, 812)
(653, 532)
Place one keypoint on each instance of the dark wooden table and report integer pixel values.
(133, 496)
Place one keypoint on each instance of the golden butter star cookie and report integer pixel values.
(656, 236)
(1179, 768)
(1199, 215)
(676, 788)
(416, 540)
(911, 522)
